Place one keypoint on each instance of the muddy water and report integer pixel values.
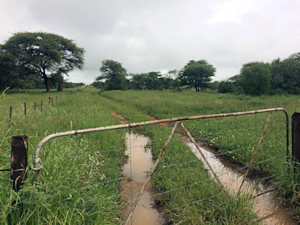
(139, 163)
(265, 205)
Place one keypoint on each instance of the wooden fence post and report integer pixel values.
(19, 149)
(41, 105)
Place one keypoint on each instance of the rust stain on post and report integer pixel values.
(19, 149)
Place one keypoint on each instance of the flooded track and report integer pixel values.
(265, 206)
(139, 163)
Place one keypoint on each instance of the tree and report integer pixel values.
(197, 74)
(225, 87)
(43, 54)
(256, 78)
(114, 75)
(277, 80)
(286, 74)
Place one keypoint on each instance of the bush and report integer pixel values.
(225, 87)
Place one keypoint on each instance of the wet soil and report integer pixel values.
(268, 209)
(139, 163)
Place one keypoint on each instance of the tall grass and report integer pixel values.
(183, 185)
(76, 181)
(236, 137)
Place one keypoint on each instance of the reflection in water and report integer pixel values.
(265, 205)
(139, 163)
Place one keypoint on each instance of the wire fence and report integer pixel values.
(182, 174)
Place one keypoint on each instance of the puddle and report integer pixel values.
(139, 163)
(265, 205)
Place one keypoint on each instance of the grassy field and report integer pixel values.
(73, 188)
(80, 180)
(81, 174)
(235, 138)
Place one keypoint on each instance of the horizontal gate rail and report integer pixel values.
(37, 161)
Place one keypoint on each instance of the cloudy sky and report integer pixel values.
(162, 35)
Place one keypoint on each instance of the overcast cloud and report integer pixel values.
(161, 35)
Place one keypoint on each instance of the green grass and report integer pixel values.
(184, 187)
(236, 137)
(73, 187)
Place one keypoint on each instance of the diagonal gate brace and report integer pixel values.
(150, 173)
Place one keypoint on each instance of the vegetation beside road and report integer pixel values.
(73, 187)
(235, 138)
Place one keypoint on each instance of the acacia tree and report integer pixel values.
(197, 74)
(113, 73)
(46, 55)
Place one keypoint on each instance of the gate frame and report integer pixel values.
(37, 161)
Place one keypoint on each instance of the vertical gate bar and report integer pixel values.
(150, 173)
(253, 156)
(19, 150)
(203, 156)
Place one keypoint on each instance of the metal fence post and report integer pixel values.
(19, 149)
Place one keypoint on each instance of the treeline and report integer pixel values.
(255, 78)
(196, 74)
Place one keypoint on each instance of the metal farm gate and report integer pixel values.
(260, 121)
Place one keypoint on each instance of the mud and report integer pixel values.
(265, 206)
(139, 163)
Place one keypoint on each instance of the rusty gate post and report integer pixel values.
(296, 137)
(19, 149)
